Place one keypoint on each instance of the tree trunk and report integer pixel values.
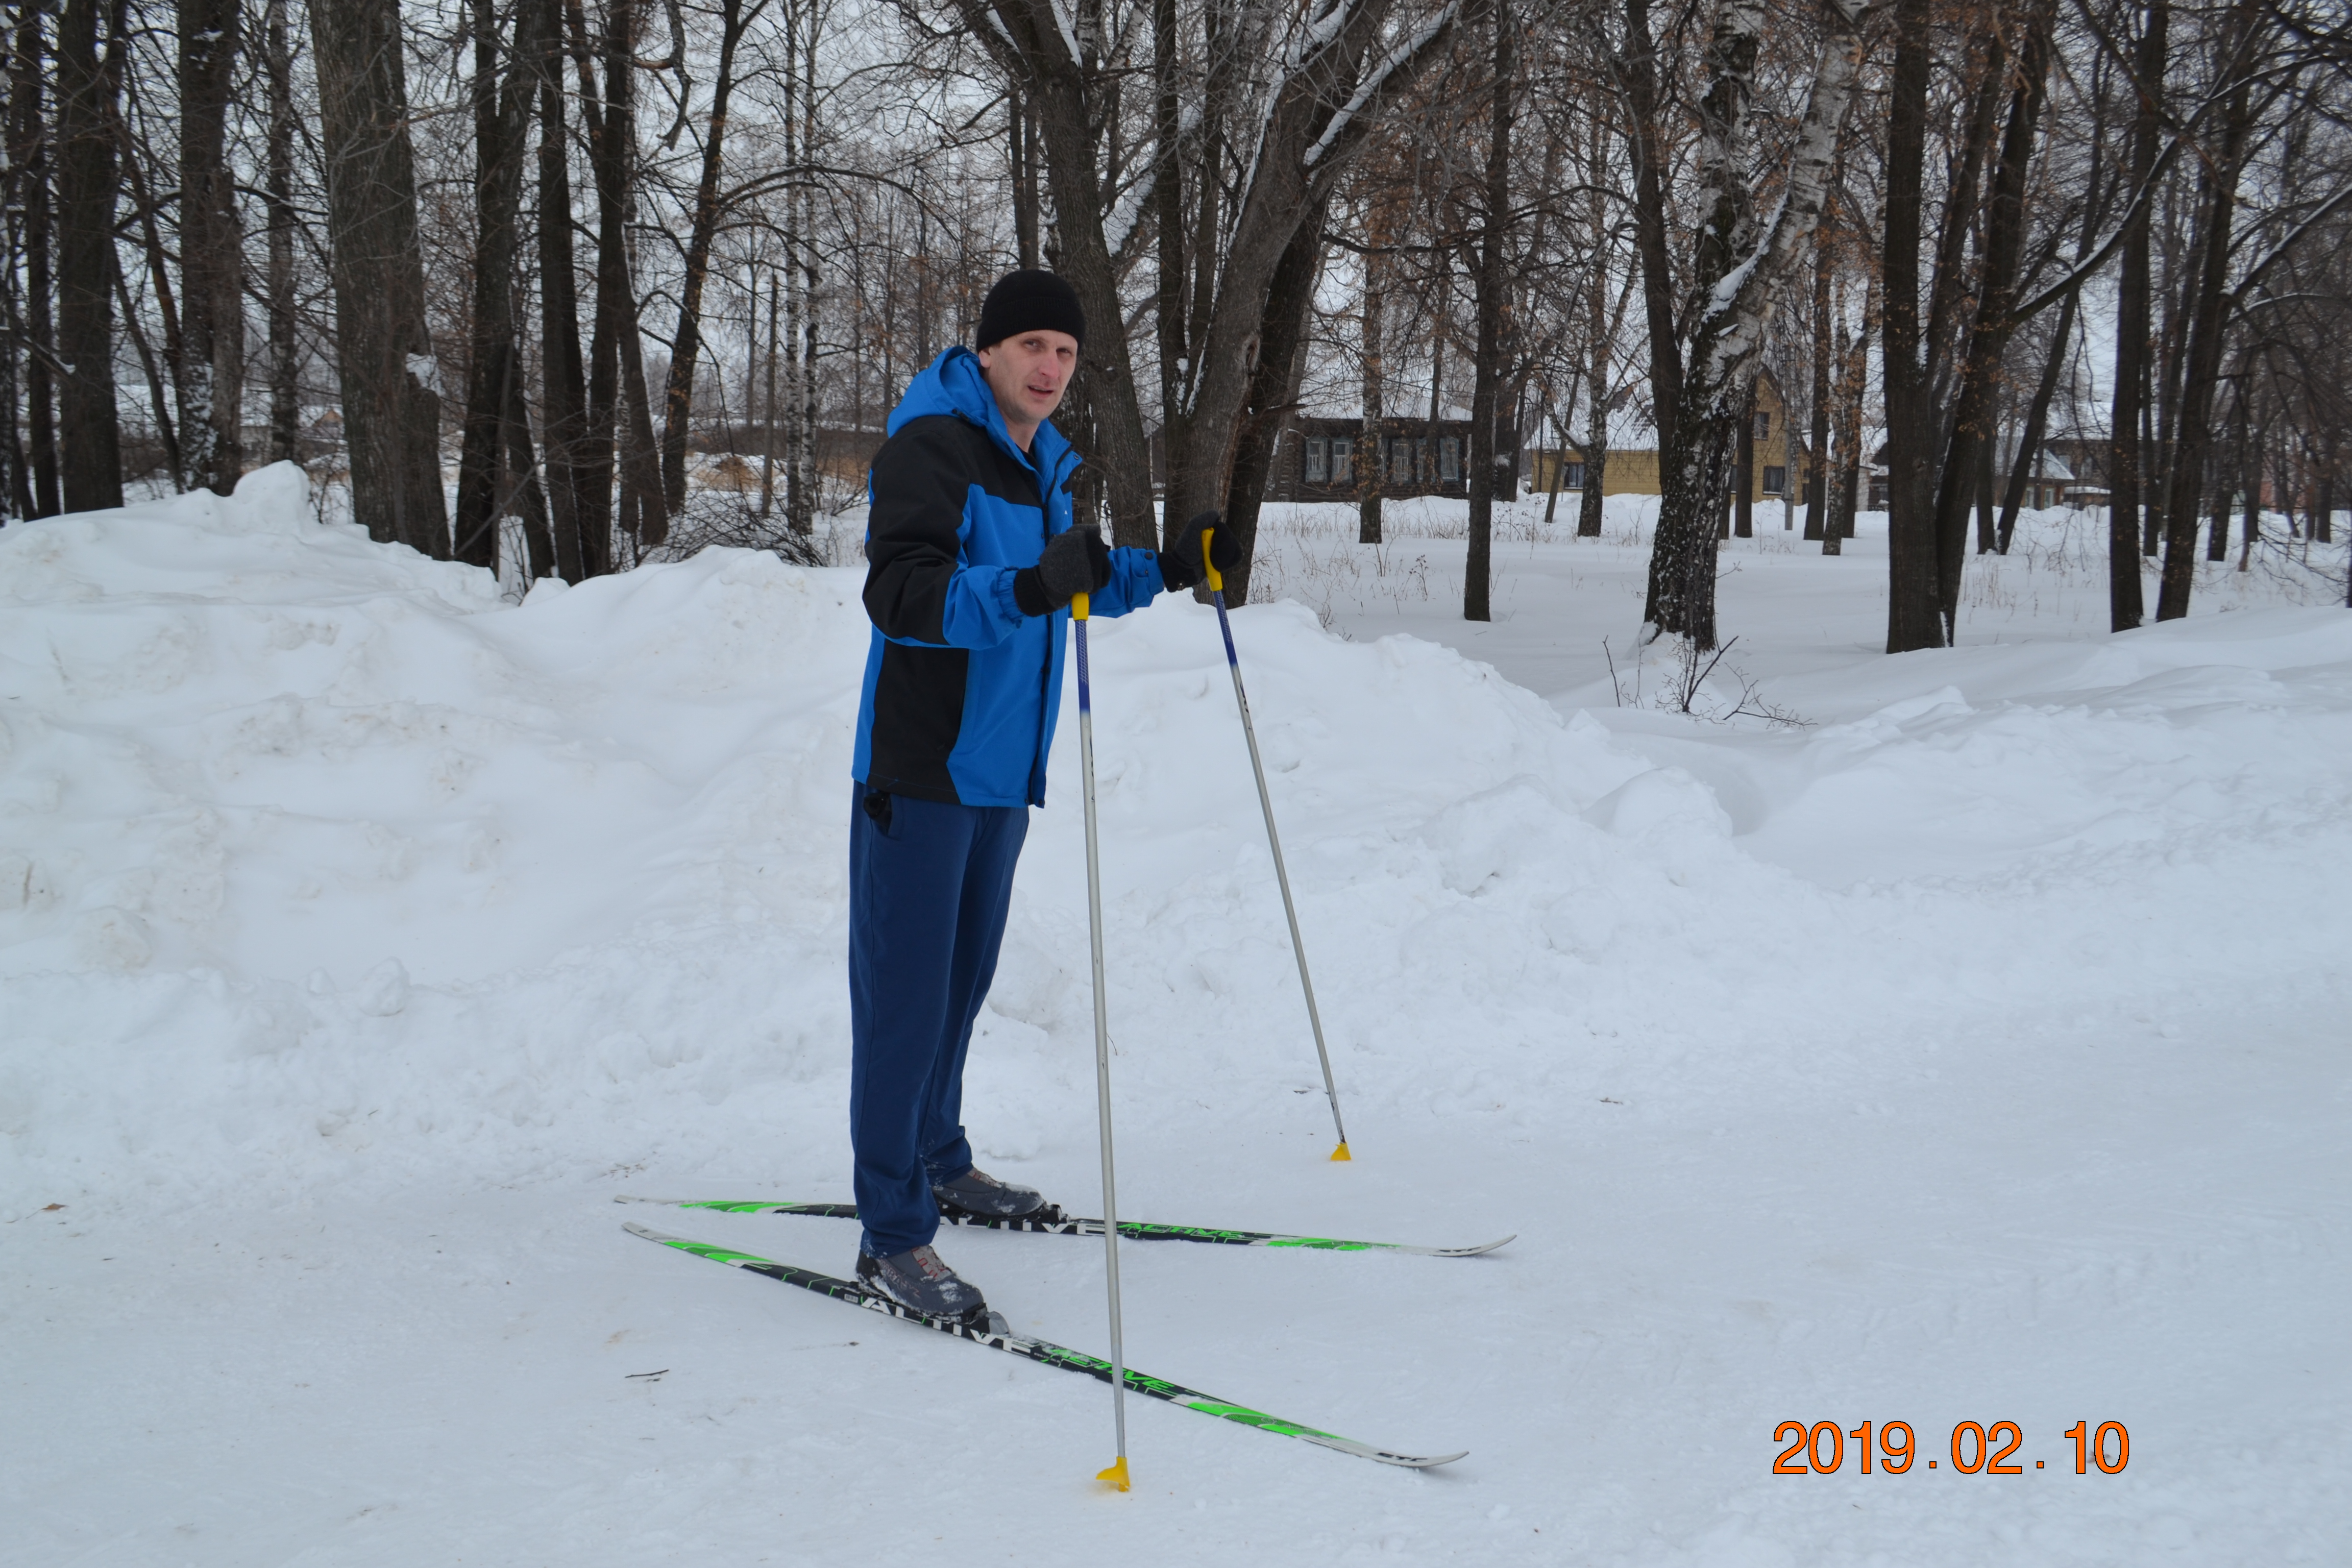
(1557, 418)
(501, 121)
(523, 493)
(1853, 358)
(686, 344)
(1743, 484)
(804, 474)
(1988, 530)
(2208, 320)
(1274, 394)
(1817, 479)
(1595, 446)
(2165, 367)
(392, 402)
(1168, 207)
(581, 522)
(2028, 461)
(2124, 606)
(768, 426)
(30, 164)
(1595, 451)
(1494, 321)
(1739, 264)
(15, 479)
(2217, 540)
(211, 252)
(1371, 458)
(619, 423)
(148, 211)
(1640, 70)
(159, 400)
(89, 76)
(1920, 529)
(1792, 456)
(1974, 417)
(1912, 621)
(285, 397)
(643, 516)
(794, 409)
(2250, 475)
(2217, 534)
(1026, 224)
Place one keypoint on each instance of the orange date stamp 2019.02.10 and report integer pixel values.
(1820, 1449)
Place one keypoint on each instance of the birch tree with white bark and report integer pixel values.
(1741, 261)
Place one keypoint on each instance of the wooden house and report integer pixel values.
(1324, 457)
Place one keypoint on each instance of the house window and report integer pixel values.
(1318, 460)
(1763, 427)
(1401, 462)
(1421, 461)
(1343, 460)
(1776, 480)
(1573, 479)
(1449, 460)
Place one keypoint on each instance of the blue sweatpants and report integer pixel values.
(929, 887)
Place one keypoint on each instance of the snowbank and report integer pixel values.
(1971, 1054)
(320, 862)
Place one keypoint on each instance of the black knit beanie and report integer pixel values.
(1025, 301)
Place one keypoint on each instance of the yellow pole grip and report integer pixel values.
(1078, 605)
(1216, 578)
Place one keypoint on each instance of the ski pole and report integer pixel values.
(1117, 1474)
(1273, 839)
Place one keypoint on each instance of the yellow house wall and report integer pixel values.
(1634, 471)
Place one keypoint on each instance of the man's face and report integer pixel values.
(1029, 371)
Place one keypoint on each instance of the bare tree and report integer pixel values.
(502, 103)
(1493, 285)
(392, 399)
(89, 50)
(1740, 263)
(709, 209)
(277, 65)
(581, 523)
(212, 251)
(33, 478)
(1966, 467)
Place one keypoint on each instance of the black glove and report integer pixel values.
(1180, 564)
(1075, 560)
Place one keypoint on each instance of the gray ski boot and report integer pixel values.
(982, 1197)
(920, 1278)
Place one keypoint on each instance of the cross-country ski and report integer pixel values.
(1055, 1223)
(989, 1331)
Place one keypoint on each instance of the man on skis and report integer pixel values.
(973, 559)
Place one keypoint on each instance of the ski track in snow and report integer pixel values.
(1973, 1053)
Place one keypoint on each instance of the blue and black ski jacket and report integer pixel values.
(962, 687)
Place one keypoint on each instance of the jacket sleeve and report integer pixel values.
(919, 589)
(1134, 581)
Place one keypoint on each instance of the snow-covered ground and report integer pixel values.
(1969, 1049)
